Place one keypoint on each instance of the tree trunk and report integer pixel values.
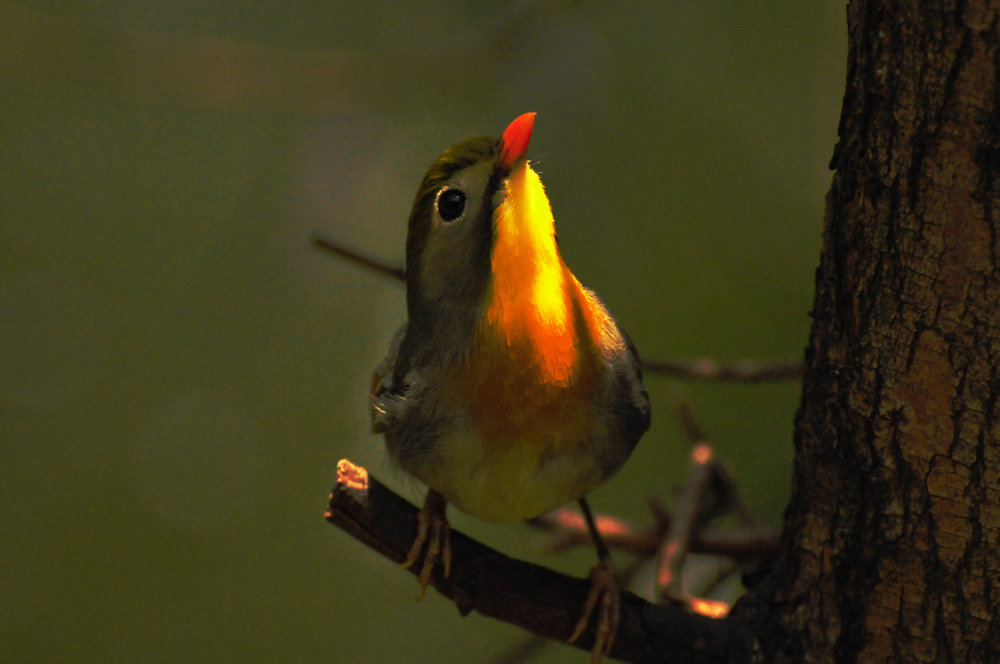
(891, 549)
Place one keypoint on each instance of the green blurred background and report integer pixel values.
(180, 370)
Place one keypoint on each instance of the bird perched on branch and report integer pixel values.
(510, 390)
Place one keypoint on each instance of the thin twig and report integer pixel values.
(535, 598)
(738, 543)
(686, 520)
(707, 477)
(727, 493)
(360, 259)
(749, 371)
(567, 529)
(693, 430)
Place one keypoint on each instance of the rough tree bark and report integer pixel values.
(891, 549)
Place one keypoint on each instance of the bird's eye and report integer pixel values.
(450, 204)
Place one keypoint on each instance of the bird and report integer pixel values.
(510, 390)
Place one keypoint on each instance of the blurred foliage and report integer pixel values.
(180, 370)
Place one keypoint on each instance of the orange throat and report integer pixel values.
(536, 369)
(531, 305)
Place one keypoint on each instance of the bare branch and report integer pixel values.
(687, 517)
(750, 371)
(725, 488)
(567, 531)
(535, 598)
(360, 259)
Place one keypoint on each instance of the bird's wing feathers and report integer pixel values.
(387, 394)
(632, 406)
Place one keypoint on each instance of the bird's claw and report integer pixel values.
(434, 531)
(604, 589)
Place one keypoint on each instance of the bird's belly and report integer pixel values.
(514, 482)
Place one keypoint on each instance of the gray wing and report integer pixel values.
(632, 407)
(404, 406)
(387, 395)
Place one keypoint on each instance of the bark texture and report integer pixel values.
(891, 550)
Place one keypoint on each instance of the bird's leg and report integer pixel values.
(432, 529)
(604, 589)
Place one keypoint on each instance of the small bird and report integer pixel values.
(510, 390)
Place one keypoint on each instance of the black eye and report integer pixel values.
(451, 204)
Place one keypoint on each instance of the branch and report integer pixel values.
(360, 259)
(531, 645)
(722, 482)
(674, 548)
(567, 531)
(703, 368)
(532, 597)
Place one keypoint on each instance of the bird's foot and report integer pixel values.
(604, 590)
(434, 531)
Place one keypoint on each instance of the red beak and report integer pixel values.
(515, 139)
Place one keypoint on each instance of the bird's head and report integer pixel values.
(481, 225)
